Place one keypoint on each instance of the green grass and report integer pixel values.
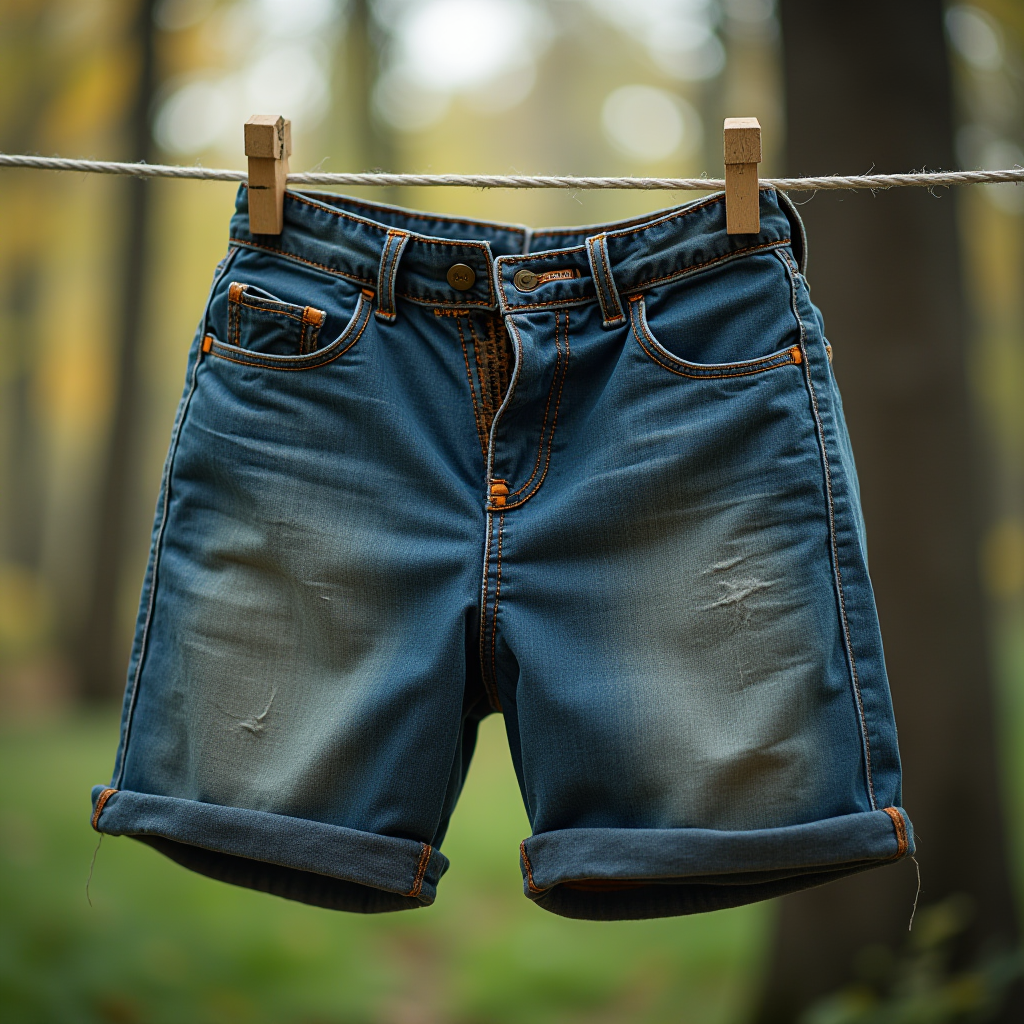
(160, 944)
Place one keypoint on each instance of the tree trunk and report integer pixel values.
(22, 490)
(103, 648)
(871, 88)
(363, 47)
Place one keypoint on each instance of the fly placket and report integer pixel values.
(525, 428)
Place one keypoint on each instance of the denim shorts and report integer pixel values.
(597, 480)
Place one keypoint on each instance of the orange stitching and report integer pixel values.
(426, 300)
(639, 223)
(900, 826)
(357, 317)
(830, 502)
(582, 300)
(270, 309)
(529, 868)
(608, 282)
(427, 239)
(494, 615)
(421, 869)
(400, 239)
(234, 325)
(492, 366)
(160, 526)
(554, 421)
(636, 224)
(421, 299)
(302, 259)
(387, 296)
(493, 378)
(472, 391)
(601, 279)
(599, 288)
(312, 321)
(307, 338)
(788, 361)
(207, 343)
(547, 407)
(557, 255)
(709, 201)
(100, 804)
(387, 291)
(718, 259)
(503, 351)
(686, 271)
(641, 317)
(365, 297)
(544, 256)
(786, 358)
(437, 218)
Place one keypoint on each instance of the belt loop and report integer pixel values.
(389, 258)
(604, 283)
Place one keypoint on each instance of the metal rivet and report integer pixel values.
(461, 276)
(525, 280)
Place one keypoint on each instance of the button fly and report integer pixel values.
(461, 276)
(525, 280)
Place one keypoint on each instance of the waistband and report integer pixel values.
(422, 257)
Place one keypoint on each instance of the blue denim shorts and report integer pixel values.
(594, 479)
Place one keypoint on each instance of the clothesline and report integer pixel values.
(924, 179)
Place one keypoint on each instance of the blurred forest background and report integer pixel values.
(102, 280)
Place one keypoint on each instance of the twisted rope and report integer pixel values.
(928, 179)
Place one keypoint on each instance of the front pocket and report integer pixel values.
(349, 336)
(261, 322)
(788, 356)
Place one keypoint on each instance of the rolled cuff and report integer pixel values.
(326, 865)
(621, 873)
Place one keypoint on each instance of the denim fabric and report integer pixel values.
(603, 487)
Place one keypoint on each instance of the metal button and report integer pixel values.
(461, 277)
(525, 280)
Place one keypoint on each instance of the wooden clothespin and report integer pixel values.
(742, 155)
(268, 144)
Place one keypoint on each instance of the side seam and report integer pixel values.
(165, 501)
(833, 546)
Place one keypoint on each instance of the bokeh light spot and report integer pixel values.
(649, 124)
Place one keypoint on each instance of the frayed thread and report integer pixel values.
(92, 867)
(917, 895)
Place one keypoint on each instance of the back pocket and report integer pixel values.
(261, 322)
